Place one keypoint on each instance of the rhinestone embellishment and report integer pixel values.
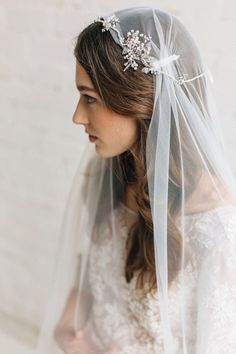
(136, 47)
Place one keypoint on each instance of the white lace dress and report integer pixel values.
(135, 322)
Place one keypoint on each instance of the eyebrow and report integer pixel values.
(85, 88)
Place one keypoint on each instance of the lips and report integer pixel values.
(92, 139)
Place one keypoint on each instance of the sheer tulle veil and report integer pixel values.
(185, 121)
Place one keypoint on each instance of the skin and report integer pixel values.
(79, 345)
(116, 133)
(71, 341)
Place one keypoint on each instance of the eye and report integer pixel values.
(89, 99)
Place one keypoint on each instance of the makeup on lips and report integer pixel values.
(92, 138)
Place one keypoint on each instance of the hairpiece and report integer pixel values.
(136, 47)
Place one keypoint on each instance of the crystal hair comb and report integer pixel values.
(137, 46)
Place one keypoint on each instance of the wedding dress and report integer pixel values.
(212, 237)
(185, 175)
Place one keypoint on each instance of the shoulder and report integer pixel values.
(214, 228)
(221, 222)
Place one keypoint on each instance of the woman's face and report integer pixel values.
(115, 133)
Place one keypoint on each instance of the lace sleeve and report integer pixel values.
(216, 327)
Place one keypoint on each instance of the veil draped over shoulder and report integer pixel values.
(191, 191)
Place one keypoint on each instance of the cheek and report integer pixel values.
(125, 133)
(117, 135)
(116, 130)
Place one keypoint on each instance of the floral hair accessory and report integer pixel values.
(136, 47)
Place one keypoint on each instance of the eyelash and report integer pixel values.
(87, 97)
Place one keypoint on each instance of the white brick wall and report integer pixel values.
(39, 145)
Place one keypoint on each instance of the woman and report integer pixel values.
(146, 262)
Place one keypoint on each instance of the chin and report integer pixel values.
(106, 153)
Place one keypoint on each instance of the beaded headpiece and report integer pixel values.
(136, 47)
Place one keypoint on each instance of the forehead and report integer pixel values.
(83, 81)
(81, 76)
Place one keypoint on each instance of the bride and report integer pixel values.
(146, 262)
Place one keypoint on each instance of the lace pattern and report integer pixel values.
(210, 292)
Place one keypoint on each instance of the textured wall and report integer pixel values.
(40, 146)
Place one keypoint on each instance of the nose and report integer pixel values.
(79, 116)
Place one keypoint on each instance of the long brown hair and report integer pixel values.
(131, 94)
